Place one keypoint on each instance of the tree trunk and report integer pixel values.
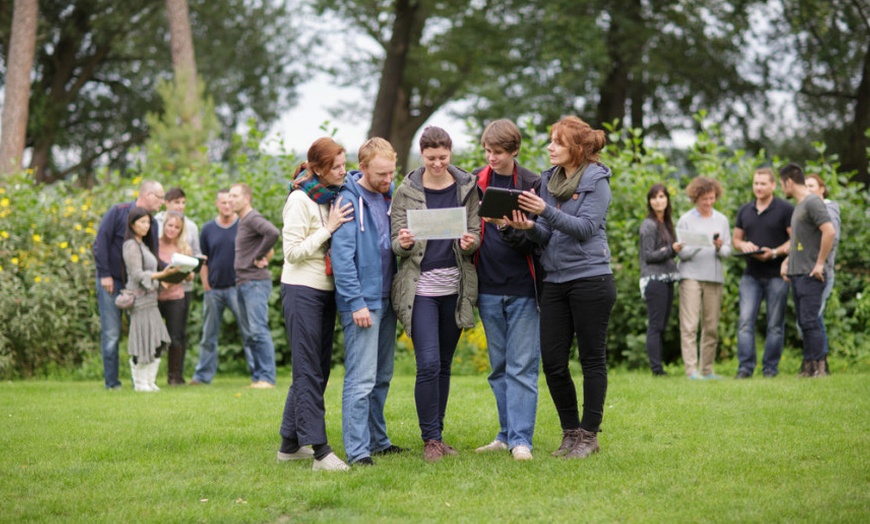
(855, 154)
(624, 47)
(17, 90)
(393, 72)
(183, 58)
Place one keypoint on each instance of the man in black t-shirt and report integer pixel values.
(762, 234)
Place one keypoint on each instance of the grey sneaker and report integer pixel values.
(521, 453)
(303, 453)
(330, 462)
(495, 445)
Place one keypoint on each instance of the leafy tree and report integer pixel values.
(99, 61)
(430, 52)
(831, 74)
(648, 64)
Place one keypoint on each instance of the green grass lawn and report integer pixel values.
(673, 450)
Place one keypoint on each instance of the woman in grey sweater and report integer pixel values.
(702, 276)
(658, 270)
(148, 334)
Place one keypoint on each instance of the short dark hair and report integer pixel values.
(434, 137)
(792, 172)
(174, 194)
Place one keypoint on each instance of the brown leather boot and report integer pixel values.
(569, 438)
(176, 365)
(586, 445)
(805, 372)
(821, 369)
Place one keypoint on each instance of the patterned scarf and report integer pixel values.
(310, 184)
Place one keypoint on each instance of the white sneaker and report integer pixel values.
(330, 462)
(495, 445)
(521, 453)
(303, 453)
(262, 385)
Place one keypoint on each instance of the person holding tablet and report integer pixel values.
(579, 291)
(507, 281)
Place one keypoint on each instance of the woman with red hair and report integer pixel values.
(579, 291)
(312, 213)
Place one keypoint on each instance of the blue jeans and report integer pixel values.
(807, 293)
(368, 362)
(254, 307)
(826, 294)
(214, 303)
(110, 333)
(512, 324)
(774, 291)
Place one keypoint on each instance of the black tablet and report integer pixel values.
(748, 253)
(499, 202)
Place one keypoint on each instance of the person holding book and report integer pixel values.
(171, 298)
(148, 335)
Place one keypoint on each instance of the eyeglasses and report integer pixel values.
(159, 197)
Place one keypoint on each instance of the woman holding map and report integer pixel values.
(706, 237)
(435, 288)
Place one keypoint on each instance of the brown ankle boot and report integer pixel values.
(805, 369)
(569, 438)
(821, 369)
(586, 445)
(176, 365)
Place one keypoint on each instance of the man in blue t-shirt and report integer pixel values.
(762, 234)
(218, 243)
(109, 261)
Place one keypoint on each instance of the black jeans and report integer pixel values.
(174, 312)
(580, 307)
(309, 318)
(659, 300)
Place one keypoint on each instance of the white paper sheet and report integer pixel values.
(433, 224)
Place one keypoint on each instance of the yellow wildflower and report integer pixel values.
(82, 250)
(4, 202)
(64, 245)
(74, 258)
(90, 230)
(78, 227)
(84, 207)
(137, 180)
(37, 279)
(14, 261)
(2, 190)
(37, 238)
(4, 234)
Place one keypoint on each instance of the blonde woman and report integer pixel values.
(170, 299)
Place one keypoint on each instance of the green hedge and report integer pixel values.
(47, 287)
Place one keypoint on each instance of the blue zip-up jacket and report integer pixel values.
(356, 256)
(574, 233)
